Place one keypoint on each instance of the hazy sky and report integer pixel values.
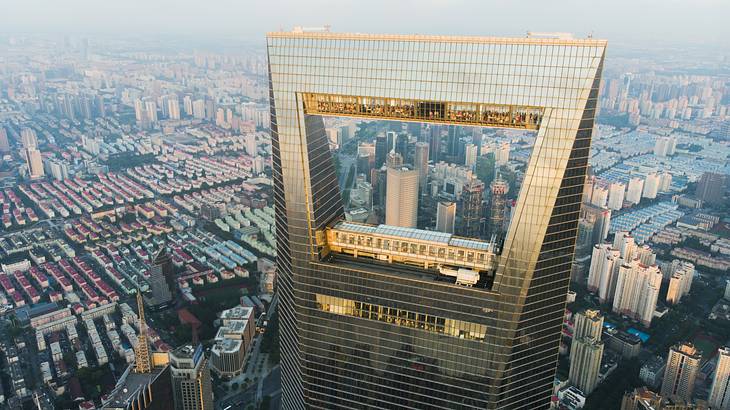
(641, 22)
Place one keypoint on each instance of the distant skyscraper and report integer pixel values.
(402, 197)
(651, 186)
(191, 383)
(188, 105)
(634, 190)
(445, 217)
(420, 162)
(173, 108)
(585, 363)
(4, 143)
(381, 149)
(501, 154)
(501, 314)
(28, 138)
(601, 219)
(162, 281)
(472, 209)
(720, 392)
(616, 193)
(711, 187)
(602, 273)
(470, 155)
(683, 364)
(199, 109)
(499, 189)
(34, 160)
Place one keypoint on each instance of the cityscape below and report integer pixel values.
(322, 219)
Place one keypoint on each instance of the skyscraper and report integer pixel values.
(420, 162)
(401, 197)
(499, 188)
(711, 187)
(585, 362)
(34, 161)
(191, 384)
(161, 280)
(634, 190)
(588, 323)
(445, 216)
(472, 209)
(720, 392)
(28, 138)
(381, 149)
(637, 291)
(683, 364)
(4, 143)
(360, 332)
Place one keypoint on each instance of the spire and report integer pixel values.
(141, 352)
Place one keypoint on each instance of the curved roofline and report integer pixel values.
(437, 38)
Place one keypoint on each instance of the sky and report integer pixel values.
(628, 22)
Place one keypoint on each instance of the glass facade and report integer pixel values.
(359, 333)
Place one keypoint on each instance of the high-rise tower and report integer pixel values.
(162, 281)
(386, 317)
(683, 364)
(499, 188)
(142, 363)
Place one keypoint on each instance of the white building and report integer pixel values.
(651, 186)
(401, 197)
(616, 192)
(634, 190)
(720, 392)
(637, 291)
(600, 196)
(445, 217)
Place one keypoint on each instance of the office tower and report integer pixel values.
(637, 291)
(34, 161)
(711, 187)
(602, 272)
(188, 105)
(616, 193)
(584, 242)
(501, 154)
(634, 190)
(336, 356)
(394, 160)
(588, 323)
(381, 149)
(28, 138)
(161, 280)
(199, 109)
(445, 216)
(470, 155)
(190, 374)
(420, 162)
(600, 196)
(651, 186)
(4, 143)
(720, 392)
(499, 188)
(680, 275)
(401, 196)
(585, 362)
(471, 212)
(601, 219)
(683, 364)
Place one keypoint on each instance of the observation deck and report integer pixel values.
(467, 260)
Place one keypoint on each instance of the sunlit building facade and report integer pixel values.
(392, 317)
